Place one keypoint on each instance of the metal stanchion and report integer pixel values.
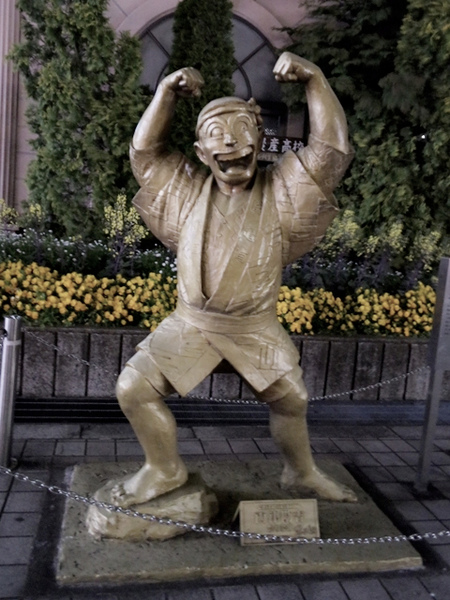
(439, 360)
(8, 377)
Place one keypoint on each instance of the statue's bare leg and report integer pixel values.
(156, 430)
(290, 432)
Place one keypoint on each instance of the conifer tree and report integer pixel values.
(82, 81)
(202, 39)
(388, 63)
(418, 91)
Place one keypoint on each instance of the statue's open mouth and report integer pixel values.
(235, 161)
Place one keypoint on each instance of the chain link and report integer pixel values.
(366, 388)
(88, 500)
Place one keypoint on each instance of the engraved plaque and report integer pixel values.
(288, 518)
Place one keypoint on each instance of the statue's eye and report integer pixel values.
(216, 131)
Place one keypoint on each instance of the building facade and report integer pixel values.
(257, 35)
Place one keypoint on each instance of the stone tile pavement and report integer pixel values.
(382, 457)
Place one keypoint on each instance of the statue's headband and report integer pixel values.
(228, 104)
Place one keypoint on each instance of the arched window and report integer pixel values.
(253, 76)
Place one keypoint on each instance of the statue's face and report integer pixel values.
(229, 143)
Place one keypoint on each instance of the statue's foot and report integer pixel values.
(320, 484)
(146, 484)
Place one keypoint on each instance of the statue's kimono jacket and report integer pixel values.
(284, 216)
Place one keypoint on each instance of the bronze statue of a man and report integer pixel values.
(232, 230)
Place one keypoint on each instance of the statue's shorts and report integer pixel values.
(289, 384)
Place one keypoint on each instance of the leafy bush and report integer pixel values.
(123, 251)
(347, 259)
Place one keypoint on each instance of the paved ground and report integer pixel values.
(382, 457)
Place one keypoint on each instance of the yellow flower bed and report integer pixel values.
(44, 297)
(47, 298)
(367, 312)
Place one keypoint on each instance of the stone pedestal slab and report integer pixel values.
(84, 559)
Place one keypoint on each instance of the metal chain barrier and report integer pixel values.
(250, 402)
(89, 501)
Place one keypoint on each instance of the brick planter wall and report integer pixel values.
(87, 362)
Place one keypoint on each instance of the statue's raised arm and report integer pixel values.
(153, 129)
(327, 122)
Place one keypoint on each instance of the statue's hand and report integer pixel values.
(290, 67)
(186, 82)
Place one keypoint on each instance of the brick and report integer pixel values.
(70, 448)
(417, 384)
(444, 554)
(410, 458)
(267, 445)
(401, 588)
(397, 445)
(216, 447)
(403, 474)
(319, 590)
(19, 524)
(232, 592)
(124, 448)
(414, 511)
(129, 343)
(192, 593)
(439, 508)
(364, 459)
(367, 369)
(389, 459)
(374, 446)
(279, 591)
(35, 449)
(244, 446)
(100, 448)
(438, 585)
(408, 432)
(395, 362)
(15, 550)
(341, 364)
(12, 580)
(378, 474)
(104, 364)
(71, 373)
(38, 364)
(314, 361)
(24, 502)
(324, 446)
(394, 491)
(433, 527)
(348, 445)
(365, 590)
(190, 447)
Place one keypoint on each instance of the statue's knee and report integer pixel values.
(128, 388)
(293, 404)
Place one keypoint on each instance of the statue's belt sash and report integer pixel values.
(225, 323)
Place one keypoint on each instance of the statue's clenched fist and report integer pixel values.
(186, 82)
(290, 67)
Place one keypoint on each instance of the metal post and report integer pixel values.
(8, 378)
(439, 361)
